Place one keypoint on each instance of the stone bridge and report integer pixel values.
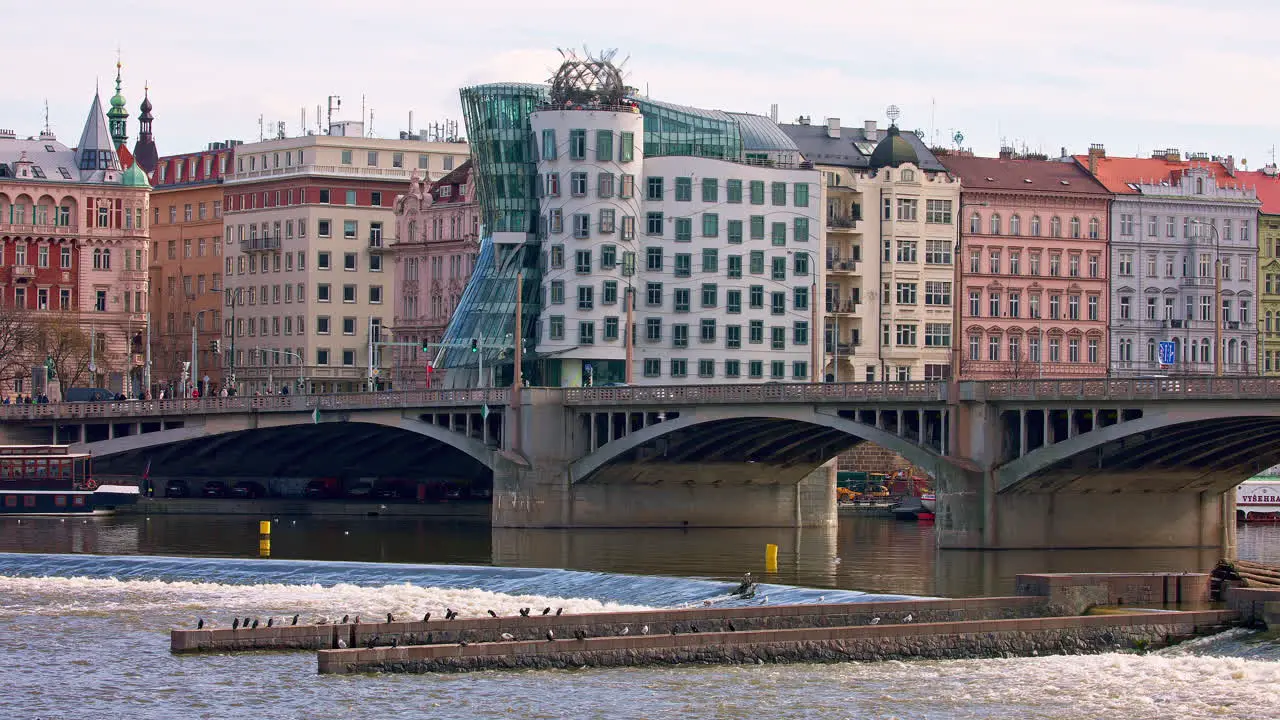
(1019, 464)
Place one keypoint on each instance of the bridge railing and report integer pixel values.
(1170, 388)
(265, 403)
(767, 393)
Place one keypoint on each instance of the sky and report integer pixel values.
(1134, 75)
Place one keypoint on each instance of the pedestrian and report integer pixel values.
(224, 391)
(195, 393)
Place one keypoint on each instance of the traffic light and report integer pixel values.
(215, 346)
(426, 346)
(475, 346)
(186, 370)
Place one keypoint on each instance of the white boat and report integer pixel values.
(1258, 500)
(929, 501)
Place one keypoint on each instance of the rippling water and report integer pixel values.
(86, 636)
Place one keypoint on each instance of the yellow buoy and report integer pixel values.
(771, 558)
(264, 527)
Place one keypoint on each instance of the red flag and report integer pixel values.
(146, 472)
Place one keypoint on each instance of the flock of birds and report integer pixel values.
(254, 623)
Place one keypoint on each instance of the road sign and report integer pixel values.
(484, 411)
(1168, 353)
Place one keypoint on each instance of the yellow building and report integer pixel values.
(1267, 183)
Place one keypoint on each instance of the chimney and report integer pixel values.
(1097, 150)
(1230, 165)
(869, 130)
(1173, 155)
(833, 128)
(1006, 152)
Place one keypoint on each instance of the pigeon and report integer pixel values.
(507, 636)
(524, 612)
(200, 624)
(551, 635)
(395, 641)
(908, 619)
(389, 618)
(342, 644)
(295, 619)
(246, 622)
(235, 624)
(372, 641)
(546, 611)
(255, 624)
(675, 629)
(558, 611)
(426, 618)
(357, 620)
(626, 630)
(875, 621)
(731, 627)
(493, 614)
(345, 618)
(580, 634)
(644, 630)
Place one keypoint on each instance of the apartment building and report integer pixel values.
(890, 230)
(307, 223)
(186, 265)
(1266, 183)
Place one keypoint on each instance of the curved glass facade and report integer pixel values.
(502, 152)
(679, 130)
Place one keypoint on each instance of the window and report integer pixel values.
(549, 144)
(936, 293)
(586, 296)
(735, 232)
(907, 209)
(707, 330)
(582, 262)
(756, 296)
(1125, 310)
(975, 303)
(679, 367)
(652, 367)
(937, 334)
(905, 335)
(710, 225)
(777, 338)
(994, 262)
(604, 185)
(993, 304)
(937, 252)
(937, 212)
(733, 301)
(779, 268)
(679, 335)
(906, 294)
(626, 147)
(710, 260)
(906, 251)
(779, 234)
(1093, 307)
(684, 189)
(684, 265)
(755, 332)
(604, 145)
(733, 191)
(349, 262)
(581, 225)
(653, 294)
(653, 329)
(586, 332)
(577, 144)
(654, 189)
(778, 190)
(757, 192)
(996, 224)
(578, 184)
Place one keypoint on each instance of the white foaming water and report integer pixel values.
(96, 596)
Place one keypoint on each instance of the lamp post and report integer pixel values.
(957, 297)
(816, 360)
(1217, 296)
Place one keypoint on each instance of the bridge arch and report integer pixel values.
(795, 436)
(1210, 447)
(290, 442)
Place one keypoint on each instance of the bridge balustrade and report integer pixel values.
(1171, 388)
(767, 393)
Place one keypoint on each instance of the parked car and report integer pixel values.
(360, 490)
(176, 489)
(616, 384)
(87, 395)
(214, 488)
(248, 489)
(318, 489)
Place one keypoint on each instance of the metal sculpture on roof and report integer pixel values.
(587, 79)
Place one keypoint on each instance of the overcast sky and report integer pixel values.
(1132, 74)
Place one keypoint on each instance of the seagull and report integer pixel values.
(345, 618)
(426, 618)
(551, 635)
(524, 612)
(644, 630)
(907, 619)
(507, 636)
(342, 644)
(357, 620)
(200, 624)
(295, 619)
(626, 630)
(875, 621)
(235, 624)
(731, 627)
(546, 611)
(271, 621)
(558, 611)
(389, 618)
(822, 598)
(493, 614)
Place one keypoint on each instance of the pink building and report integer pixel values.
(1033, 266)
(73, 261)
(437, 241)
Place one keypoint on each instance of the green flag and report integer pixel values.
(484, 412)
(315, 416)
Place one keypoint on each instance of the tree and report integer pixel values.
(17, 330)
(58, 335)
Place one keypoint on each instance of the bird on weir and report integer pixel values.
(389, 618)
(199, 623)
(731, 627)
(546, 611)
(580, 634)
(908, 619)
(875, 621)
(235, 624)
(558, 611)
(493, 614)
(507, 636)
(295, 619)
(357, 620)
(345, 618)
(626, 630)
(524, 612)
(255, 623)
(449, 614)
(426, 618)
(271, 621)
(551, 635)
(246, 622)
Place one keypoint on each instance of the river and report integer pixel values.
(85, 607)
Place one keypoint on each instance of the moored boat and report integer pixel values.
(1258, 500)
(52, 480)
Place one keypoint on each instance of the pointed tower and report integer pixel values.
(96, 155)
(144, 151)
(117, 116)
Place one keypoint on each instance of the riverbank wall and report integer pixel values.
(296, 507)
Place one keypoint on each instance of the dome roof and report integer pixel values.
(135, 176)
(893, 151)
(146, 103)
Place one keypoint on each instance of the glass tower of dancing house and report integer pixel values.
(708, 222)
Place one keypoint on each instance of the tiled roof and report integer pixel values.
(852, 149)
(1049, 176)
(1116, 173)
(50, 156)
(1267, 187)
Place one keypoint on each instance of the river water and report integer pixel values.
(86, 605)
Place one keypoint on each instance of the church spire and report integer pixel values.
(118, 116)
(144, 151)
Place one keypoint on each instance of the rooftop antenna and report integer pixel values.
(319, 130)
(335, 103)
(49, 130)
(261, 131)
(370, 132)
(280, 131)
(933, 115)
(302, 121)
(362, 108)
(893, 113)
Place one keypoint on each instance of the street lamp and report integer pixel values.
(1217, 297)
(957, 297)
(232, 295)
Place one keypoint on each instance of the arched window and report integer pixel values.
(1075, 227)
(1055, 227)
(1232, 350)
(1177, 349)
(975, 223)
(1244, 353)
(1268, 322)
(1204, 350)
(1035, 225)
(908, 176)
(1151, 350)
(1015, 225)
(1094, 229)
(995, 223)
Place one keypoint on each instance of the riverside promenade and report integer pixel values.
(1046, 617)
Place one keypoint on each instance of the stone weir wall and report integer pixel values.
(946, 640)
(654, 622)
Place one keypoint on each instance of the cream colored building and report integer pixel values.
(307, 221)
(891, 214)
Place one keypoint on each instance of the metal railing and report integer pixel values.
(768, 392)
(1171, 388)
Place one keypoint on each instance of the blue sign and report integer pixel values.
(1168, 353)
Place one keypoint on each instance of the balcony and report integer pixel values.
(344, 171)
(377, 244)
(1197, 282)
(836, 265)
(24, 272)
(260, 244)
(845, 308)
(45, 229)
(843, 222)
